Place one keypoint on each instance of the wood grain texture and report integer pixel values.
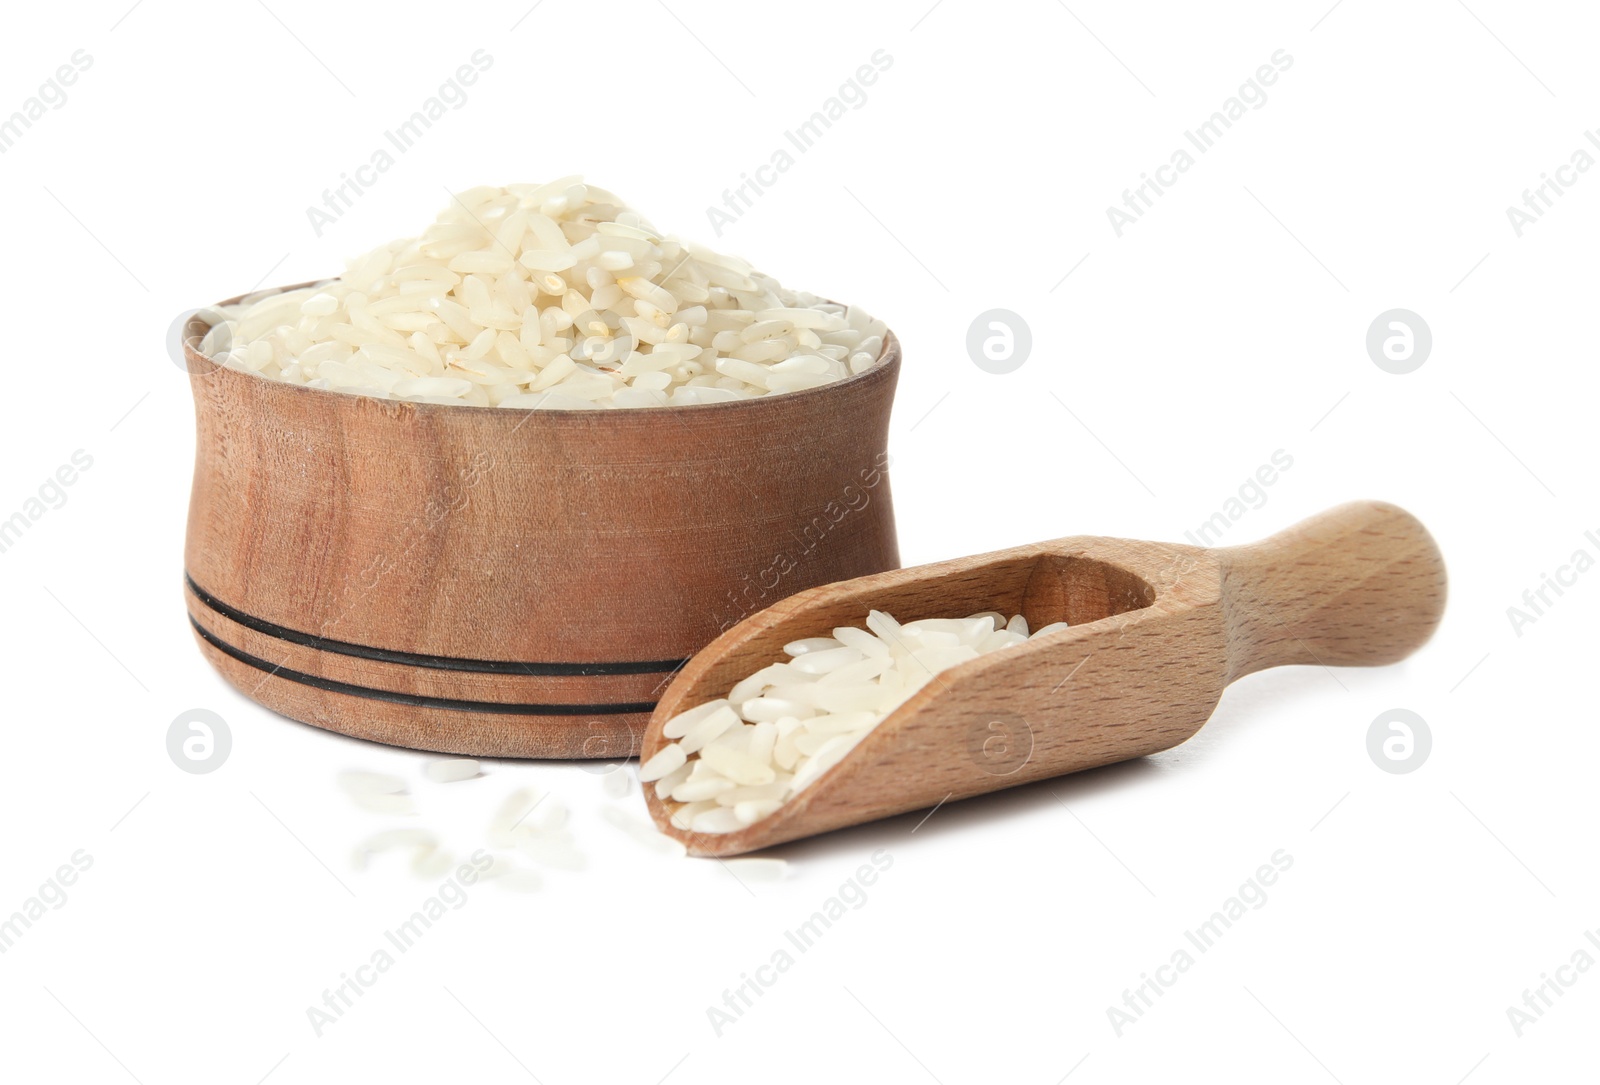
(433, 553)
(1158, 631)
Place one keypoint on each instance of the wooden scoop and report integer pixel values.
(1157, 631)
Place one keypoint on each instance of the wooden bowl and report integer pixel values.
(511, 583)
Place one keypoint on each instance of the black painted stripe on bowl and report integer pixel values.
(416, 700)
(437, 663)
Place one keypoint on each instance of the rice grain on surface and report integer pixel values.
(451, 770)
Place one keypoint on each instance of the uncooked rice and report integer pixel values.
(527, 825)
(554, 296)
(377, 792)
(452, 770)
(738, 759)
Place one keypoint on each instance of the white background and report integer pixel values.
(1228, 323)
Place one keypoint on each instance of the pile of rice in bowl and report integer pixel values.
(554, 296)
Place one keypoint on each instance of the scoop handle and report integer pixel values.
(1359, 585)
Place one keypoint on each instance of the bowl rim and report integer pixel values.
(202, 367)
